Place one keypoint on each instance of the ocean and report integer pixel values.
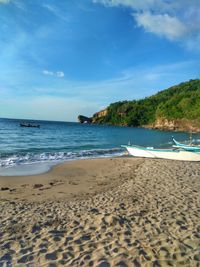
(34, 150)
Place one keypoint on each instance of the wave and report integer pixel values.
(27, 158)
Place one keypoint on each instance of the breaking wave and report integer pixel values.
(27, 158)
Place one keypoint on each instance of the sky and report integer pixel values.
(62, 58)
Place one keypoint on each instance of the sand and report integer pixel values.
(103, 212)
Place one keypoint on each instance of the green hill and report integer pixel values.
(176, 108)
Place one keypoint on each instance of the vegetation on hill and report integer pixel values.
(176, 103)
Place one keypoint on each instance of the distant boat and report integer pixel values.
(29, 125)
(174, 153)
(188, 147)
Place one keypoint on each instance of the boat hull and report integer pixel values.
(29, 125)
(163, 153)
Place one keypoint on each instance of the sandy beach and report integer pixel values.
(103, 212)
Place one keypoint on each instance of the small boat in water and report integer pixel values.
(188, 147)
(174, 153)
(29, 125)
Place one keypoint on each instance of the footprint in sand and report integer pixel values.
(35, 186)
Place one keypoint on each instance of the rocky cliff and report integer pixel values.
(99, 115)
(175, 125)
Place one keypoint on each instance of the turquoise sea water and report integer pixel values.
(21, 149)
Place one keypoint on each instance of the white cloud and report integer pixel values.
(47, 72)
(16, 3)
(134, 4)
(4, 1)
(162, 25)
(56, 12)
(59, 74)
(174, 20)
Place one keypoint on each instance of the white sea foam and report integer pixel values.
(29, 158)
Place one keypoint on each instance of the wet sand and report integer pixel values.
(103, 212)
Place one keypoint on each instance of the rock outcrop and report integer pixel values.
(84, 119)
(94, 119)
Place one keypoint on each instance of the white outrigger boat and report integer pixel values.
(188, 147)
(178, 153)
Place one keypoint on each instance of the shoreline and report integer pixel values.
(103, 212)
(64, 179)
(28, 169)
(37, 168)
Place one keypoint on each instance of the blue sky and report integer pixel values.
(62, 58)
